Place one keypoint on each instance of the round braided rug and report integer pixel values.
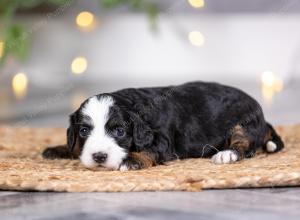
(22, 168)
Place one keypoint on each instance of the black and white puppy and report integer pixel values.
(139, 128)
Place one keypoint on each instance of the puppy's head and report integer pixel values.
(104, 131)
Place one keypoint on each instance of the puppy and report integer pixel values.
(138, 128)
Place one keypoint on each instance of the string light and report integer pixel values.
(197, 3)
(85, 19)
(270, 85)
(19, 85)
(1, 48)
(196, 38)
(79, 65)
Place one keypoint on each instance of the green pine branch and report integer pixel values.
(16, 38)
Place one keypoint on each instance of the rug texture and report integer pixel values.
(22, 168)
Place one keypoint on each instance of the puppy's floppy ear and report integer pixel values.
(142, 133)
(71, 133)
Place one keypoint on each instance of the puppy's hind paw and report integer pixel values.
(225, 157)
(271, 147)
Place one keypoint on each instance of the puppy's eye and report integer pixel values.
(119, 132)
(84, 132)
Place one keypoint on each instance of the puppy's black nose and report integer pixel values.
(99, 157)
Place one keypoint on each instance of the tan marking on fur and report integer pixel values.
(76, 151)
(227, 143)
(239, 140)
(145, 158)
(268, 136)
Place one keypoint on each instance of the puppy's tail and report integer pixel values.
(272, 141)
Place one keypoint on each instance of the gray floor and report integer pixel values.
(279, 203)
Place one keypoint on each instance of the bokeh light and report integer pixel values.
(79, 65)
(268, 78)
(267, 94)
(278, 85)
(19, 85)
(85, 19)
(197, 3)
(196, 38)
(271, 84)
(1, 48)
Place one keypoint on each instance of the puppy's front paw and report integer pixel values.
(224, 157)
(137, 161)
(59, 152)
(131, 164)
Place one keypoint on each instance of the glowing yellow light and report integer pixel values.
(19, 85)
(79, 65)
(268, 94)
(268, 78)
(1, 48)
(196, 38)
(278, 85)
(85, 19)
(197, 3)
(271, 84)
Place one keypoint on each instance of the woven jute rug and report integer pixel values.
(22, 168)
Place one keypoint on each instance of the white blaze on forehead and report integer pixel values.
(99, 140)
(98, 110)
